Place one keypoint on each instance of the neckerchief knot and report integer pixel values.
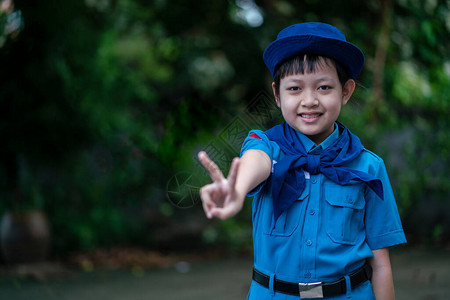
(288, 179)
(313, 163)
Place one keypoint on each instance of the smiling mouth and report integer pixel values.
(310, 116)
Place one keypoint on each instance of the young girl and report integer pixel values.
(324, 213)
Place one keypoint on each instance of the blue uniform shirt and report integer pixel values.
(331, 229)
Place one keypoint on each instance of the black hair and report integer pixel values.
(308, 62)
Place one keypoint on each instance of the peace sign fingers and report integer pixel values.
(219, 198)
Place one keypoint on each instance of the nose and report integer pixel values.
(309, 99)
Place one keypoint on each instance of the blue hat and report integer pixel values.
(314, 38)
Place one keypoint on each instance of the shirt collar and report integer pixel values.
(310, 145)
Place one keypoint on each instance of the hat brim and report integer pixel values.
(347, 54)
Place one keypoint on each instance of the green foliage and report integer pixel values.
(104, 101)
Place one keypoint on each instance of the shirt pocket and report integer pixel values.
(344, 212)
(289, 220)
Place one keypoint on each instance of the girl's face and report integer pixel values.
(311, 102)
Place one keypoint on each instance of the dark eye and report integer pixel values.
(324, 87)
(294, 88)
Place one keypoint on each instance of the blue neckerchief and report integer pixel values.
(288, 179)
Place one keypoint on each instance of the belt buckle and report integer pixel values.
(311, 290)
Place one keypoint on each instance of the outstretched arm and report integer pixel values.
(382, 282)
(224, 197)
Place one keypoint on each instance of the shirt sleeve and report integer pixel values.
(257, 140)
(383, 224)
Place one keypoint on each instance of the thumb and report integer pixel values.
(226, 212)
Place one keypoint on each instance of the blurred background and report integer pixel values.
(104, 105)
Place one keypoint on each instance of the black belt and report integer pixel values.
(317, 289)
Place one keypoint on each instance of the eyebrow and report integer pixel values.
(320, 79)
(326, 78)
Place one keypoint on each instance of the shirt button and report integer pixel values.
(308, 242)
(312, 212)
(314, 180)
(307, 275)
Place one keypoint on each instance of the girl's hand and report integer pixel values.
(220, 198)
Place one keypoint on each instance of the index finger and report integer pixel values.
(210, 166)
(232, 174)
